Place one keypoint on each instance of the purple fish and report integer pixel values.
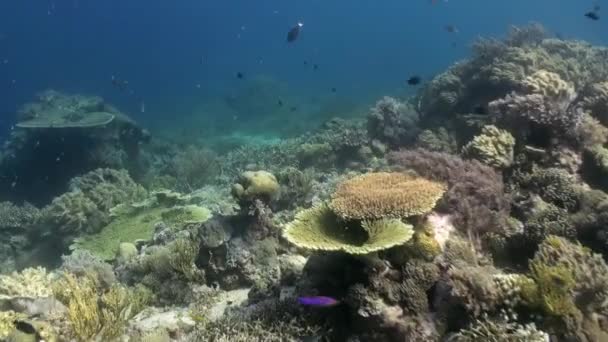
(318, 301)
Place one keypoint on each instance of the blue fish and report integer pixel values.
(322, 301)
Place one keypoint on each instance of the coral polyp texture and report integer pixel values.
(385, 195)
(493, 147)
(320, 229)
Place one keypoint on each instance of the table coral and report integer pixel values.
(384, 194)
(320, 229)
(492, 147)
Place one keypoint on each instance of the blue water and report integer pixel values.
(179, 55)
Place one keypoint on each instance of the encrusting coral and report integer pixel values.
(493, 146)
(385, 195)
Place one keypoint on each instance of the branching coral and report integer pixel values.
(499, 331)
(475, 195)
(319, 228)
(29, 283)
(553, 185)
(86, 208)
(94, 314)
(194, 167)
(492, 147)
(383, 194)
(17, 217)
(439, 140)
(392, 122)
(568, 274)
(596, 100)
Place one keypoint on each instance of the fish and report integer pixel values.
(592, 15)
(315, 67)
(280, 103)
(451, 28)
(293, 109)
(240, 75)
(25, 327)
(333, 90)
(414, 80)
(294, 32)
(320, 301)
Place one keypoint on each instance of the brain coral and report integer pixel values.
(385, 195)
(319, 228)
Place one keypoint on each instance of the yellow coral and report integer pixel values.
(319, 228)
(30, 283)
(385, 195)
(256, 184)
(493, 147)
(6, 322)
(549, 84)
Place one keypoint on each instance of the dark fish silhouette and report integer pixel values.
(414, 80)
(451, 28)
(293, 34)
(280, 103)
(240, 75)
(25, 327)
(592, 15)
(333, 90)
(315, 67)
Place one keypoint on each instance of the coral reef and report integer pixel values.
(385, 195)
(86, 207)
(319, 228)
(254, 185)
(392, 122)
(194, 167)
(493, 147)
(475, 195)
(94, 135)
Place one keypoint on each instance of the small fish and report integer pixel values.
(315, 67)
(592, 15)
(280, 103)
(240, 75)
(293, 34)
(414, 80)
(25, 327)
(333, 90)
(321, 301)
(480, 110)
(293, 109)
(451, 28)
(305, 62)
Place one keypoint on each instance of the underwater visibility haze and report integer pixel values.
(398, 170)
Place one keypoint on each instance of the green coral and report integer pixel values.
(423, 245)
(256, 185)
(138, 225)
(319, 228)
(492, 147)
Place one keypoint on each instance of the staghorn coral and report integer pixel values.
(551, 220)
(493, 147)
(96, 315)
(499, 331)
(475, 195)
(319, 228)
(384, 194)
(392, 122)
(29, 283)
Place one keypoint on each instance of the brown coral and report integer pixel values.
(385, 195)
